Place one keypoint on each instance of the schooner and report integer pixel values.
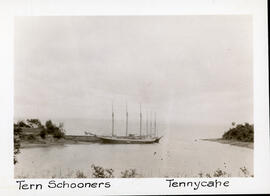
(130, 138)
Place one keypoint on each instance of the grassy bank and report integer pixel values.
(100, 172)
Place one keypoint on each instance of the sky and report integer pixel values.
(187, 69)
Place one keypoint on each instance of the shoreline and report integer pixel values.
(83, 140)
(249, 145)
(48, 144)
(69, 139)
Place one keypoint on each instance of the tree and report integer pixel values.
(17, 143)
(34, 123)
(57, 131)
(241, 132)
(50, 126)
(22, 124)
(43, 133)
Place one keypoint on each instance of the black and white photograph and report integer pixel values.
(133, 96)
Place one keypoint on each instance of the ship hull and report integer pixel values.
(123, 140)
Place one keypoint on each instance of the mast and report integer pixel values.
(140, 120)
(150, 124)
(126, 120)
(146, 123)
(112, 120)
(157, 130)
(155, 125)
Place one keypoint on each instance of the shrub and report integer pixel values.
(50, 126)
(43, 133)
(131, 173)
(208, 175)
(22, 124)
(34, 123)
(17, 130)
(100, 172)
(31, 137)
(220, 173)
(80, 174)
(245, 171)
(57, 131)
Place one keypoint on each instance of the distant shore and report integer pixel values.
(232, 142)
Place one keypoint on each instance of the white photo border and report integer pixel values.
(258, 9)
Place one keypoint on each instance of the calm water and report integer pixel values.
(179, 153)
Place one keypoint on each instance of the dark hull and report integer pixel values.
(123, 140)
